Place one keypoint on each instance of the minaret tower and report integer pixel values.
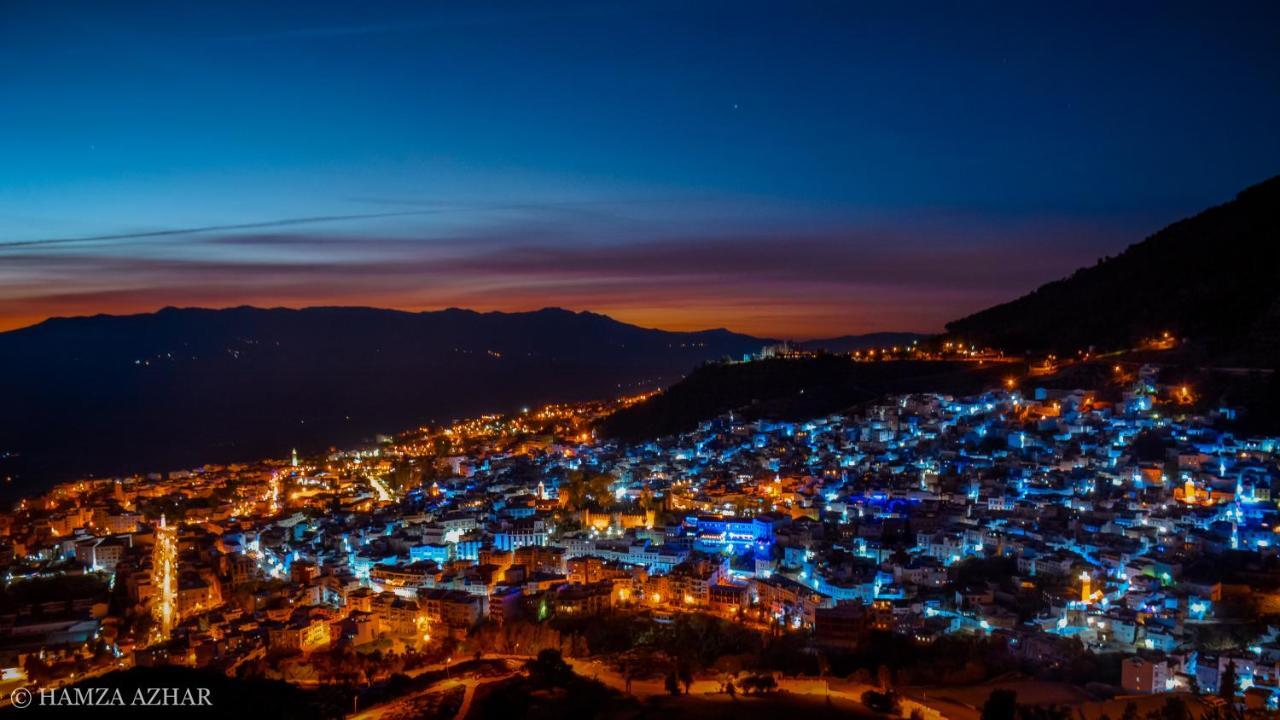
(164, 581)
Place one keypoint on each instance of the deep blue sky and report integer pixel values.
(794, 169)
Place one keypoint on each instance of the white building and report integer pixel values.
(1144, 676)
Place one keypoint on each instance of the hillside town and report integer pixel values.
(1049, 522)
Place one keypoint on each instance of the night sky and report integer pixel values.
(786, 169)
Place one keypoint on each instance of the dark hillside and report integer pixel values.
(1213, 278)
(791, 388)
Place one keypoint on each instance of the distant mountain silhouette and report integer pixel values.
(849, 343)
(1213, 278)
(113, 394)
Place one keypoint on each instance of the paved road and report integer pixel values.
(471, 694)
(400, 705)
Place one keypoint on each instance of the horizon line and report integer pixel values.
(301, 308)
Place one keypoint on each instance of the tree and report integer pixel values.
(765, 683)
(35, 668)
(672, 684)
(1000, 705)
(1227, 685)
(1045, 712)
(646, 498)
(685, 670)
(758, 684)
(1174, 709)
(549, 669)
(582, 491)
(1226, 712)
(886, 702)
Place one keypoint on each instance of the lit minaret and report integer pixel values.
(1086, 587)
(542, 490)
(164, 578)
(274, 495)
(293, 461)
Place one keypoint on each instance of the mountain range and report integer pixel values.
(116, 394)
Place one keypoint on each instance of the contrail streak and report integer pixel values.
(211, 228)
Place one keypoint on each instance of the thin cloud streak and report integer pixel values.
(283, 222)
